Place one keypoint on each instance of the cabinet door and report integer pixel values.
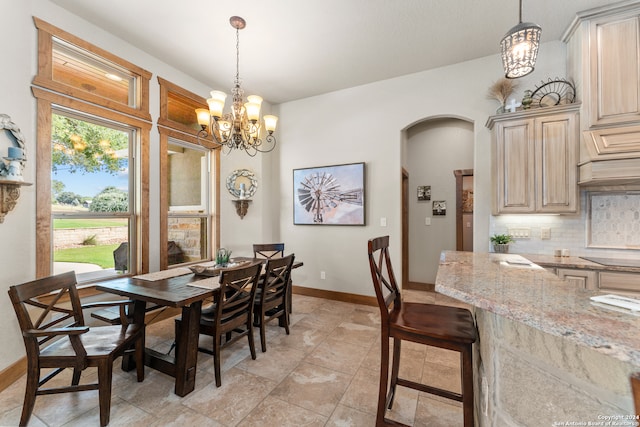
(515, 162)
(583, 279)
(619, 282)
(556, 144)
(614, 66)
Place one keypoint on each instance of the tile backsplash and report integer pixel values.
(572, 232)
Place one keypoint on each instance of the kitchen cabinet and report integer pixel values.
(603, 58)
(535, 160)
(582, 278)
(620, 282)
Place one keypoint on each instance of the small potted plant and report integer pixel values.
(501, 242)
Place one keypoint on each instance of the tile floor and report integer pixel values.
(324, 374)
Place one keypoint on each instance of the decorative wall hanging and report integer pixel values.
(237, 185)
(329, 195)
(11, 167)
(439, 207)
(424, 193)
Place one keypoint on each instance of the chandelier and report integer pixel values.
(519, 48)
(240, 128)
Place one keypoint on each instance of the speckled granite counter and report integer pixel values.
(545, 354)
(537, 298)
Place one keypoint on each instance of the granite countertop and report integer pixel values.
(513, 287)
(575, 262)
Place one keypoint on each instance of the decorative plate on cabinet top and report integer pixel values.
(554, 92)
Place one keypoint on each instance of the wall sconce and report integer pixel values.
(242, 206)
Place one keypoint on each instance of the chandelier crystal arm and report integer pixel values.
(240, 128)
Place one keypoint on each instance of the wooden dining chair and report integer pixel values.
(271, 299)
(440, 326)
(268, 250)
(55, 336)
(231, 314)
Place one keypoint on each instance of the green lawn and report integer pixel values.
(88, 223)
(101, 255)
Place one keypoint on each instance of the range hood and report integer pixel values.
(610, 156)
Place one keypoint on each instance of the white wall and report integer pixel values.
(367, 123)
(435, 149)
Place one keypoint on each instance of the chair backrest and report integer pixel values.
(45, 303)
(276, 278)
(384, 281)
(268, 250)
(237, 290)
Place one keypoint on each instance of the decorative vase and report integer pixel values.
(501, 248)
(527, 100)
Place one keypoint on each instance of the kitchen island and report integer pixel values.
(546, 354)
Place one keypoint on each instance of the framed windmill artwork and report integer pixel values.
(329, 195)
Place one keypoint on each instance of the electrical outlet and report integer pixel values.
(323, 276)
(427, 221)
(520, 233)
(545, 233)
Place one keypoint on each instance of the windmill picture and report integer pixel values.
(332, 195)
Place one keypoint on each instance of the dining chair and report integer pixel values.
(55, 336)
(451, 328)
(271, 299)
(268, 250)
(231, 314)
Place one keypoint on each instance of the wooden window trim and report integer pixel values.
(45, 101)
(165, 134)
(44, 78)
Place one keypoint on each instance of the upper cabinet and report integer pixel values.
(603, 48)
(535, 154)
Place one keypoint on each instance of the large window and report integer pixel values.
(188, 225)
(189, 178)
(92, 202)
(93, 173)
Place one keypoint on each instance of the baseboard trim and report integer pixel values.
(335, 295)
(12, 373)
(416, 286)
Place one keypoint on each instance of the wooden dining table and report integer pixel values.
(184, 291)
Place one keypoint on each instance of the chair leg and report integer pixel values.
(466, 371)
(75, 380)
(104, 390)
(252, 345)
(33, 376)
(394, 371)
(216, 359)
(384, 378)
(263, 333)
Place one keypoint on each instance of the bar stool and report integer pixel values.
(440, 326)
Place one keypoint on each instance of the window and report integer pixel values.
(92, 202)
(189, 179)
(93, 173)
(188, 187)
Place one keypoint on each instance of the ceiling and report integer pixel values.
(292, 49)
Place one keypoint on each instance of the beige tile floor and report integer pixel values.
(324, 374)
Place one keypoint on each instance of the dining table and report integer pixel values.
(177, 288)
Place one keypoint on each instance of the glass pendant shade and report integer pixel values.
(270, 123)
(519, 48)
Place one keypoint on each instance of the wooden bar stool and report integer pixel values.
(440, 326)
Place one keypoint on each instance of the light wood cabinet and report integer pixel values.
(620, 282)
(584, 279)
(535, 160)
(603, 58)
